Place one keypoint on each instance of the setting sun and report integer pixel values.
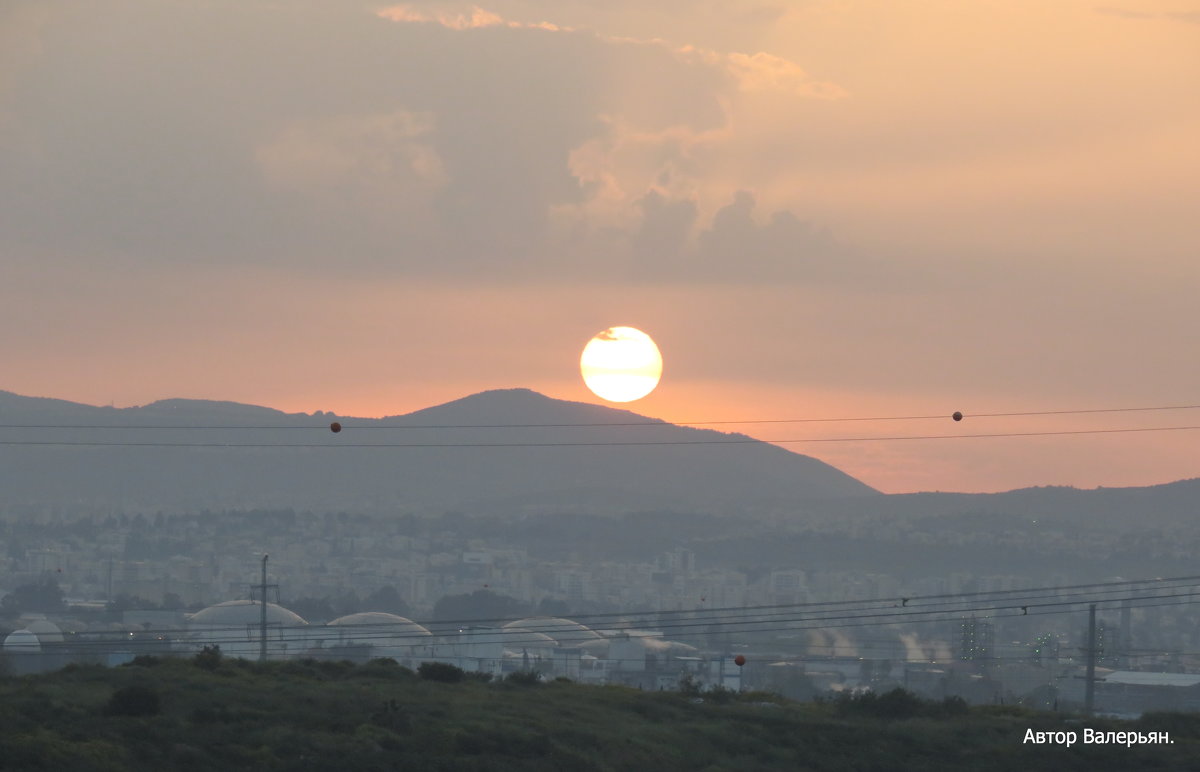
(621, 364)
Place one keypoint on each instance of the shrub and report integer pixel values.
(208, 658)
(336, 668)
(382, 667)
(296, 668)
(524, 678)
(1177, 724)
(134, 701)
(209, 714)
(720, 695)
(391, 716)
(440, 671)
(898, 703)
(953, 706)
(383, 663)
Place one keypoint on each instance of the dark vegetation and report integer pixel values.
(440, 671)
(43, 595)
(213, 712)
(481, 604)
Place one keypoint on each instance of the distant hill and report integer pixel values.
(509, 451)
(1120, 509)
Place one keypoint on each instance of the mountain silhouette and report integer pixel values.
(508, 451)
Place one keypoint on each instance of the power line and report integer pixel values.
(1088, 589)
(648, 423)
(912, 601)
(307, 633)
(587, 444)
(795, 617)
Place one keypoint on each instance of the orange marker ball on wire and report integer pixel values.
(739, 660)
(335, 427)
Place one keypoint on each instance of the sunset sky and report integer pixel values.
(817, 209)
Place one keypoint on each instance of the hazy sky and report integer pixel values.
(831, 208)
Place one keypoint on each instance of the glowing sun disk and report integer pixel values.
(621, 364)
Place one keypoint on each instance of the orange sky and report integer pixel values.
(820, 209)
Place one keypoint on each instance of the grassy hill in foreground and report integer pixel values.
(175, 714)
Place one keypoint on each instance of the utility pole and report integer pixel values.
(262, 598)
(1089, 693)
(262, 631)
(1126, 633)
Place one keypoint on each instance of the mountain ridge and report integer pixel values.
(506, 449)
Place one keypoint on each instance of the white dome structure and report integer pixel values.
(670, 648)
(20, 648)
(373, 621)
(236, 626)
(516, 638)
(45, 630)
(22, 642)
(388, 635)
(236, 612)
(564, 632)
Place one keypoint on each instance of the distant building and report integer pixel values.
(976, 640)
(1108, 644)
(680, 560)
(787, 587)
(1044, 649)
(1129, 692)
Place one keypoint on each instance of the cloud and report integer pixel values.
(21, 26)
(665, 231)
(1124, 13)
(643, 178)
(1188, 17)
(760, 71)
(784, 246)
(619, 166)
(770, 73)
(668, 242)
(474, 18)
(422, 141)
(382, 149)
(407, 150)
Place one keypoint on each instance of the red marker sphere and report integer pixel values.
(739, 660)
(957, 416)
(335, 427)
